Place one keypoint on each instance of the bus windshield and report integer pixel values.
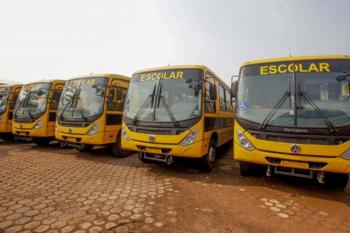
(165, 96)
(4, 96)
(83, 99)
(310, 96)
(32, 100)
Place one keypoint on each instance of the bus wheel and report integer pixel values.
(7, 137)
(246, 169)
(143, 159)
(42, 141)
(335, 180)
(208, 160)
(116, 149)
(85, 148)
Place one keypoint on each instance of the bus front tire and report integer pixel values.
(143, 159)
(85, 148)
(336, 180)
(251, 169)
(208, 160)
(42, 141)
(117, 150)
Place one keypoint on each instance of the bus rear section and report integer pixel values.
(8, 98)
(174, 112)
(34, 117)
(90, 112)
(293, 118)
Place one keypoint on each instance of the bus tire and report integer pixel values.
(335, 180)
(116, 149)
(143, 159)
(42, 141)
(7, 137)
(85, 148)
(246, 169)
(208, 160)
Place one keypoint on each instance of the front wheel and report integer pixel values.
(42, 141)
(143, 159)
(336, 180)
(251, 169)
(116, 149)
(208, 160)
(85, 148)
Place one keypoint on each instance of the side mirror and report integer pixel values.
(234, 89)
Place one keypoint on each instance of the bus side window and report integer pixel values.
(222, 99)
(228, 101)
(210, 97)
(116, 99)
(55, 99)
(13, 102)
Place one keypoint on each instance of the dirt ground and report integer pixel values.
(48, 189)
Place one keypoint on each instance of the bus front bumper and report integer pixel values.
(41, 132)
(95, 139)
(195, 150)
(316, 163)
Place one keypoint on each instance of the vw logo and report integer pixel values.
(295, 148)
(151, 138)
(70, 130)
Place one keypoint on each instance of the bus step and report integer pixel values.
(293, 172)
(160, 158)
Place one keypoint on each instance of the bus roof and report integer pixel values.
(299, 58)
(202, 67)
(47, 81)
(108, 75)
(11, 85)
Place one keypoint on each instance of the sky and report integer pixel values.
(41, 39)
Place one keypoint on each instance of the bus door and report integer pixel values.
(210, 106)
(12, 104)
(114, 109)
(53, 105)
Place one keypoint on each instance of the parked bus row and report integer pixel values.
(287, 116)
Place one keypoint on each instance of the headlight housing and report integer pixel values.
(346, 155)
(93, 129)
(190, 138)
(125, 134)
(244, 142)
(38, 125)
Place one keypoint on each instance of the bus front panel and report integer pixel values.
(294, 114)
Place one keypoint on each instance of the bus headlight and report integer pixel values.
(190, 138)
(244, 142)
(93, 129)
(125, 134)
(38, 125)
(346, 155)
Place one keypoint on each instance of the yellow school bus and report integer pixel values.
(91, 110)
(293, 118)
(34, 117)
(177, 111)
(8, 98)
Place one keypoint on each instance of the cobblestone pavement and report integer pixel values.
(61, 190)
(52, 190)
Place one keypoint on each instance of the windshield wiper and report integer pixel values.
(149, 101)
(81, 111)
(30, 114)
(70, 102)
(275, 109)
(346, 74)
(329, 124)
